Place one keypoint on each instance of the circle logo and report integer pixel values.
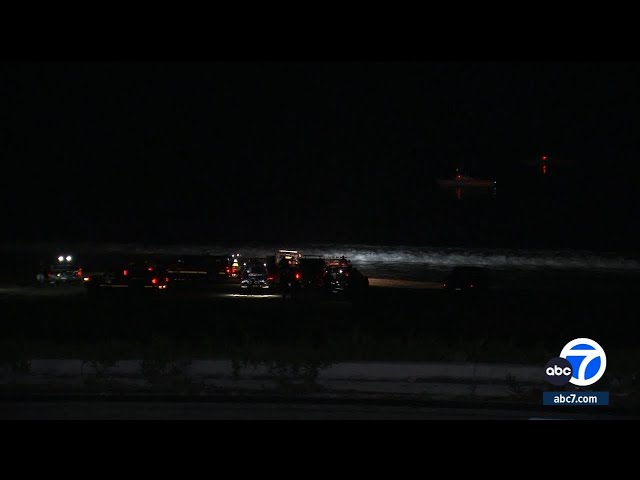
(558, 371)
(588, 361)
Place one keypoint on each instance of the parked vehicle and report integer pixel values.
(134, 277)
(64, 271)
(255, 276)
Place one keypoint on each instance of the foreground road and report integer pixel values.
(187, 410)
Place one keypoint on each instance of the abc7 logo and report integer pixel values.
(582, 362)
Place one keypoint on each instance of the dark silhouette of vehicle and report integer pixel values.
(284, 272)
(190, 271)
(467, 279)
(134, 277)
(312, 270)
(288, 277)
(255, 275)
(64, 271)
(341, 278)
(220, 268)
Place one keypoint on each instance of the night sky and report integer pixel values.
(320, 152)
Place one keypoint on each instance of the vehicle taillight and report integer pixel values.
(271, 279)
(166, 279)
(150, 269)
(298, 276)
(125, 273)
(154, 281)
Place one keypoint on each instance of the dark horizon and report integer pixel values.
(338, 152)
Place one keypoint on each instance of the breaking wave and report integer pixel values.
(375, 257)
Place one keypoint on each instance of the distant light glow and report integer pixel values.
(544, 157)
(60, 258)
(68, 258)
